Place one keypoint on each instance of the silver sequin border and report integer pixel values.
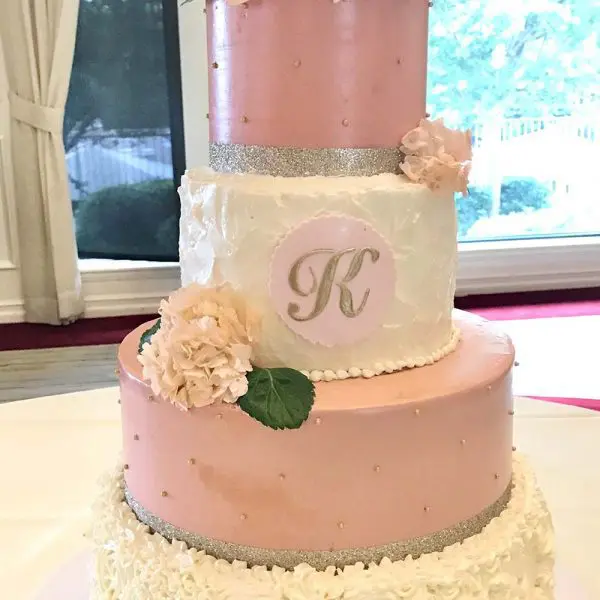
(320, 560)
(303, 162)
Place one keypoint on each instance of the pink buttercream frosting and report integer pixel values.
(379, 460)
(316, 74)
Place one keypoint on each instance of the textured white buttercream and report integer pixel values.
(231, 224)
(511, 559)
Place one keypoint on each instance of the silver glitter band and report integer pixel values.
(303, 162)
(320, 560)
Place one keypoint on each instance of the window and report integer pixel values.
(525, 77)
(526, 81)
(123, 130)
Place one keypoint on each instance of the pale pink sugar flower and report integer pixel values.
(437, 156)
(201, 353)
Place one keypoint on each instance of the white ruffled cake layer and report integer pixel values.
(511, 559)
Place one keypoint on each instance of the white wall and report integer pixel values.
(11, 302)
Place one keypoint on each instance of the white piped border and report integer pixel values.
(512, 558)
(391, 366)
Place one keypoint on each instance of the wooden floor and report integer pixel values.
(32, 373)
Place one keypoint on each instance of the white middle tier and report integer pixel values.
(231, 226)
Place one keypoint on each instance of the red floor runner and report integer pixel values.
(588, 403)
(86, 332)
(539, 311)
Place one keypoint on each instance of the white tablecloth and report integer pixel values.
(53, 450)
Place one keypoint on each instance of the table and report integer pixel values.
(54, 449)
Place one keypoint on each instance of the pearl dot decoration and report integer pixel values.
(426, 509)
(389, 367)
(341, 525)
(215, 65)
(496, 476)
(345, 122)
(219, 416)
(191, 461)
(318, 421)
(377, 469)
(164, 493)
(463, 442)
(281, 476)
(126, 466)
(417, 412)
(289, 559)
(511, 412)
(117, 372)
(514, 448)
(297, 63)
(244, 119)
(136, 437)
(243, 517)
(519, 542)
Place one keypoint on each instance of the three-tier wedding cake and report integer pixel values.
(309, 418)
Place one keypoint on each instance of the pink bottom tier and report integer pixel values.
(392, 458)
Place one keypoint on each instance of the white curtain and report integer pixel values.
(38, 38)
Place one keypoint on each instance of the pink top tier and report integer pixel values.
(316, 74)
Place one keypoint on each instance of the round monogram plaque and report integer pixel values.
(332, 280)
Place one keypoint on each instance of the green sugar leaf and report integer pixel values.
(278, 398)
(147, 335)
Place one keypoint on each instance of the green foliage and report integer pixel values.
(517, 195)
(137, 221)
(511, 59)
(470, 209)
(119, 70)
(147, 335)
(278, 398)
(167, 235)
